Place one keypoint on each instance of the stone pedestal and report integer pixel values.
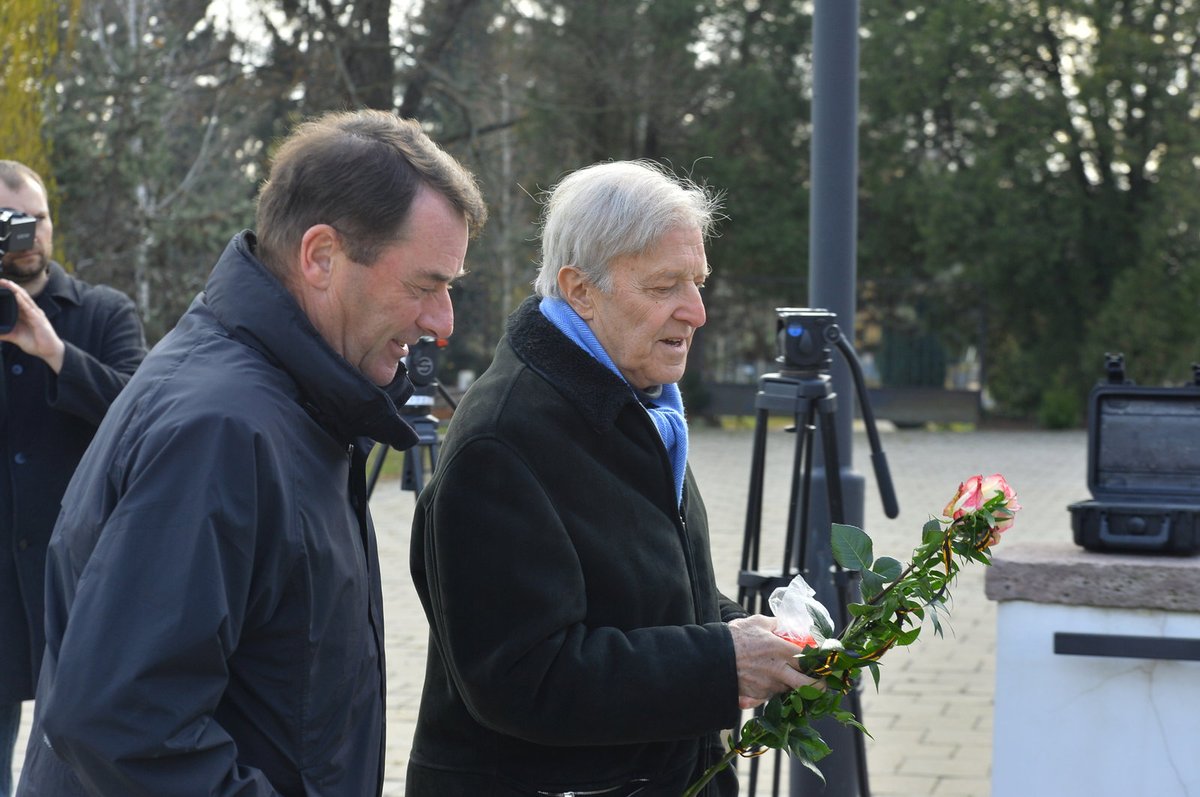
(1097, 673)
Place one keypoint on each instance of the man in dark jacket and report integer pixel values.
(72, 348)
(578, 642)
(213, 612)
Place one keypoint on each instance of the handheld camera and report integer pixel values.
(17, 233)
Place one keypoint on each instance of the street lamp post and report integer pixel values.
(833, 226)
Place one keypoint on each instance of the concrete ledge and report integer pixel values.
(1065, 573)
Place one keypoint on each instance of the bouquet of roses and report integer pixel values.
(896, 599)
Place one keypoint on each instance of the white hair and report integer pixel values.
(608, 210)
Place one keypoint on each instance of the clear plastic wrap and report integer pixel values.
(803, 620)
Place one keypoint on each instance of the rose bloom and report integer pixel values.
(996, 485)
(975, 492)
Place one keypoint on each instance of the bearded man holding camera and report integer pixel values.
(67, 349)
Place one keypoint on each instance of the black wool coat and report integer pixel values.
(577, 638)
(46, 423)
(214, 615)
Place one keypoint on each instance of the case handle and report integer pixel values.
(1153, 541)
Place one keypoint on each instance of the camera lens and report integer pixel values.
(8, 310)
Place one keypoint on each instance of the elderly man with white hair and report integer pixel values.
(578, 642)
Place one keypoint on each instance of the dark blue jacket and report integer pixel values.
(46, 423)
(214, 614)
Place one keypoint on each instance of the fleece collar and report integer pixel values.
(598, 393)
(256, 309)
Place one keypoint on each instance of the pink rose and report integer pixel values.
(969, 498)
(1005, 514)
(975, 493)
(996, 485)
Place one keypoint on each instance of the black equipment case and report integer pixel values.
(1143, 467)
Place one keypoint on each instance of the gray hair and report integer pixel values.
(608, 210)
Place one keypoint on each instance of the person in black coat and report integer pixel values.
(213, 605)
(72, 348)
(578, 642)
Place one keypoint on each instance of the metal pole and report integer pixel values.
(833, 227)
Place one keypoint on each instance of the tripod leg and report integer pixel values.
(408, 474)
(419, 468)
(748, 597)
(801, 495)
(376, 468)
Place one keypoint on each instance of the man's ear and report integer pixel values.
(318, 247)
(577, 289)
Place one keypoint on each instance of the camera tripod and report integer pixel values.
(421, 459)
(421, 364)
(804, 390)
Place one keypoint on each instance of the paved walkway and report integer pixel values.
(932, 718)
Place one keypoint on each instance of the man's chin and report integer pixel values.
(382, 377)
(23, 268)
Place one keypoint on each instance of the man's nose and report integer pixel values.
(692, 311)
(438, 318)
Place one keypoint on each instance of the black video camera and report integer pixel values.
(17, 233)
(422, 361)
(803, 337)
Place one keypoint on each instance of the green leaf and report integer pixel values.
(770, 728)
(887, 568)
(851, 547)
(872, 584)
(908, 637)
(808, 745)
(810, 692)
(874, 668)
(932, 532)
(937, 623)
(859, 609)
(810, 766)
(848, 718)
(820, 621)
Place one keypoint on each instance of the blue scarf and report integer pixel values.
(666, 409)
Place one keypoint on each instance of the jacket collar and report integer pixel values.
(255, 308)
(595, 391)
(59, 289)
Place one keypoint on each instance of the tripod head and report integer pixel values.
(802, 337)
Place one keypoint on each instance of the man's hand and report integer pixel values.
(33, 332)
(766, 664)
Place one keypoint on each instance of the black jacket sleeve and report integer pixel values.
(88, 382)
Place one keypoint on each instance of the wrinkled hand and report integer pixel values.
(33, 332)
(766, 664)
